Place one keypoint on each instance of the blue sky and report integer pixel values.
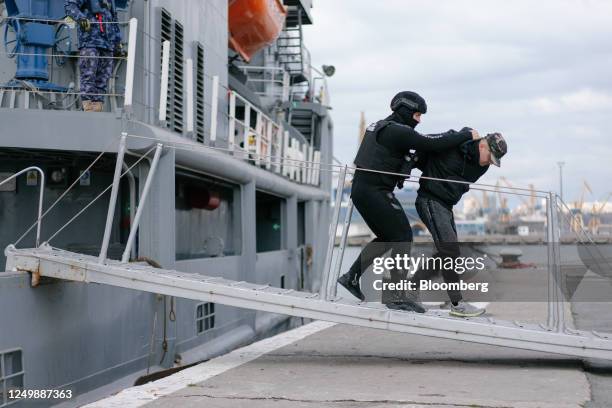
(539, 72)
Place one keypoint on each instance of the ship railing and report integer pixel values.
(564, 273)
(274, 82)
(27, 93)
(314, 90)
(252, 135)
(255, 137)
(319, 91)
(121, 170)
(31, 174)
(271, 82)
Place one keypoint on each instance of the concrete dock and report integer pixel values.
(327, 365)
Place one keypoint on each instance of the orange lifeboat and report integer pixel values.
(253, 24)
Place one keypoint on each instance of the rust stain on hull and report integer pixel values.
(35, 275)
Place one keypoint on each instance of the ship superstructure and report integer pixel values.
(240, 190)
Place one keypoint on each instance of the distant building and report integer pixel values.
(471, 227)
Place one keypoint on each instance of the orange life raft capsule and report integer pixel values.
(253, 24)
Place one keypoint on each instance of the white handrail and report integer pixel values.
(267, 132)
(40, 199)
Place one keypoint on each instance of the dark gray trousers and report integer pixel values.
(441, 224)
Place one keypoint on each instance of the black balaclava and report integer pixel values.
(404, 105)
(406, 116)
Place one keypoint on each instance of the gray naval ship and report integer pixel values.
(240, 189)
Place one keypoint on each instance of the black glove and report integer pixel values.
(409, 163)
(119, 51)
(84, 24)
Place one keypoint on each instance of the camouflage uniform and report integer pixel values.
(100, 41)
(95, 73)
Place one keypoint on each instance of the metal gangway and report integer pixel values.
(552, 336)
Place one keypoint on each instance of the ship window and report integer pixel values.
(268, 222)
(199, 100)
(207, 217)
(205, 317)
(11, 374)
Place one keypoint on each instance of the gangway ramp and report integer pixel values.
(54, 263)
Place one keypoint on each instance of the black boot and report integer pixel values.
(407, 305)
(351, 283)
(405, 301)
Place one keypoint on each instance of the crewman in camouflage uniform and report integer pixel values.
(99, 41)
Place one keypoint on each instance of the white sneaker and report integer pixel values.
(464, 309)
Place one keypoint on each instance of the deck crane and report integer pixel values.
(528, 205)
(504, 212)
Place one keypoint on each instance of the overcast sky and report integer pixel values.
(540, 72)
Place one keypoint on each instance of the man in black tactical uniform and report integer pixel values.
(389, 146)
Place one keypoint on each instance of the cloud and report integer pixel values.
(537, 71)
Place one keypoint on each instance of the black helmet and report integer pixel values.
(411, 100)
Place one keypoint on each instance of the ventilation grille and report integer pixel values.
(173, 31)
(11, 375)
(178, 73)
(199, 96)
(166, 35)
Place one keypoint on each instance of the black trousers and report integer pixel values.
(385, 216)
(441, 224)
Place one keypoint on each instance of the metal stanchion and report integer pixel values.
(345, 227)
(325, 281)
(551, 310)
(556, 312)
(113, 199)
(141, 203)
(560, 301)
